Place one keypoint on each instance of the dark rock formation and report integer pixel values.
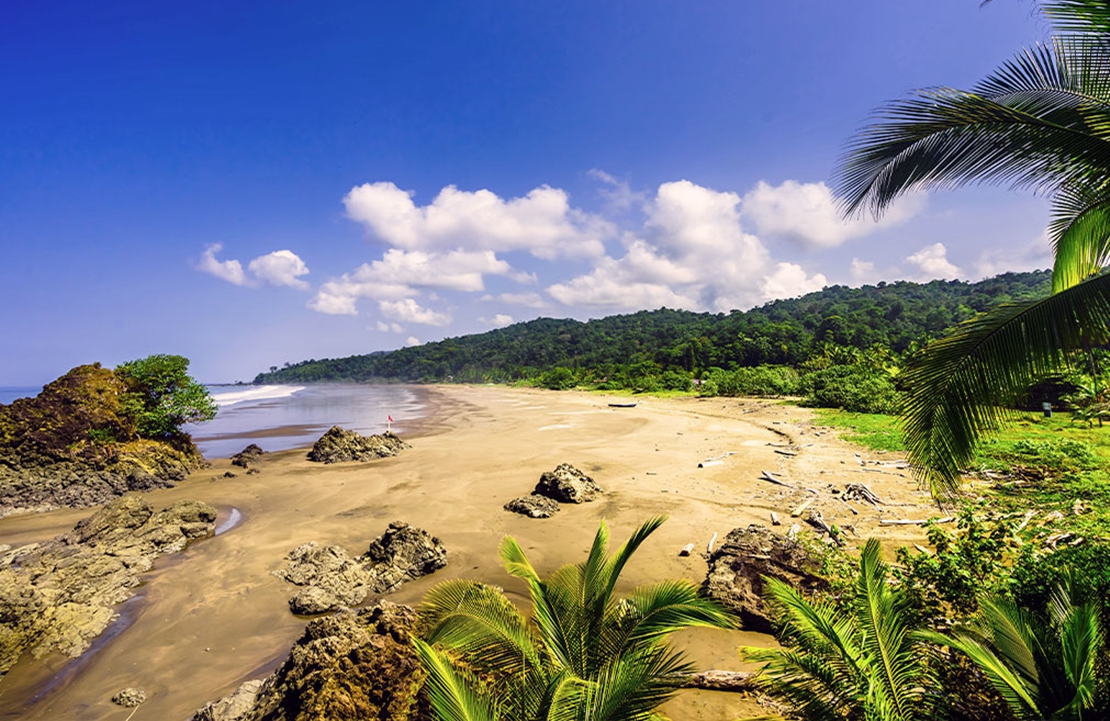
(331, 579)
(130, 697)
(339, 445)
(533, 506)
(402, 553)
(75, 444)
(57, 596)
(353, 665)
(737, 568)
(567, 484)
(248, 457)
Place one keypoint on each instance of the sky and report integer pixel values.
(254, 183)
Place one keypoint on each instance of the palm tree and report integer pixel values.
(869, 663)
(1042, 671)
(1040, 122)
(584, 654)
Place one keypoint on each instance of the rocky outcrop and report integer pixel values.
(59, 595)
(534, 506)
(738, 566)
(76, 445)
(353, 665)
(331, 579)
(248, 457)
(130, 697)
(339, 446)
(567, 484)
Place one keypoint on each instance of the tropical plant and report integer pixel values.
(867, 662)
(584, 654)
(162, 396)
(1039, 122)
(1041, 670)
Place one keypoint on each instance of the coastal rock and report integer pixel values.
(737, 569)
(534, 506)
(567, 484)
(130, 697)
(59, 595)
(352, 665)
(248, 457)
(339, 445)
(402, 553)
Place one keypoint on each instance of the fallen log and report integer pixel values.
(909, 522)
(804, 505)
(709, 548)
(686, 550)
(717, 680)
(775, 519)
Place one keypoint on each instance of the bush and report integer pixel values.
(762, 380)
(857, 389)
(558, 379)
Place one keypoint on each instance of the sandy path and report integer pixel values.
(214, 616)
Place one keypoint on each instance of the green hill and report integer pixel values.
(893, 316)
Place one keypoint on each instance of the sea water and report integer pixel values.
(278, 417)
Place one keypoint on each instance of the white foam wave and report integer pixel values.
(257, 393)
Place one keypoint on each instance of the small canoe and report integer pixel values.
(622, 405)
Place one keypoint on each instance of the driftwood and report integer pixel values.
(721, 681)
(910, 522)
(792, 534)
(770, 478)
(860, 492)
(775, 519)
(709, 548)
(785, 452)
(686, 550)
(801, 507)
(849, 505)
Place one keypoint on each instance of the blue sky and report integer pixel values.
(252, 183)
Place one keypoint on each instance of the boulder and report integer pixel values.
(567, 484)
(351, 665)
(59, 595)
(130, 697)
(339, 445)
(534, 506)
(248, 456)
(402, 553)
(737, 568)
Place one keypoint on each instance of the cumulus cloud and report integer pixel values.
(542, 222)
(229, 270)
(692, 254)
(409, 311)
(862, 271)
(807, 213)
(412, 341)
(528, 300)
(932, 262)
(280, 268)
(498, 321)
(618, 194)
(384, 327)
(1035, 255)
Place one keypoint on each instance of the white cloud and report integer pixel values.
(229, 270)
(1035, 255)
(412, 341)
(528, 300)
(384, 327)
(862, 271)
(498, 321)
(807, 213)
(619, 196)
(409, 311)
(282, 267)
(542, 222)
(932, 262)
(693, 254)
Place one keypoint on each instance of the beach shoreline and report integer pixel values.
(214, 616)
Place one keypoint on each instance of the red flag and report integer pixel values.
(390, 418)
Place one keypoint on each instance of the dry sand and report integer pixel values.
(214, 616)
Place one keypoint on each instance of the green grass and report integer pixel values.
(1052, 463)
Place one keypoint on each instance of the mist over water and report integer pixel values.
(279, 417)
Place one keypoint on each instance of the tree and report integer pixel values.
(1039, 122)
(869, 662)
(585, 653)
(161, 395)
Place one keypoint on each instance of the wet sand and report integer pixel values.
(214, 616)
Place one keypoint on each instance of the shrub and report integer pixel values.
(858, 389)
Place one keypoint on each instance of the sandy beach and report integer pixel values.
(214, 616)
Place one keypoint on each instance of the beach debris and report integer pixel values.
(770, 478)
(1025, 521)
(686, 550)
(912, 522)
(748, 555)
(801, 507)
(792, 534)
(1052, 517)
(716, 460)
(248, 456)
(775, 519)
(718, 680)
(567, 484)
(849, 505)
(860, 492)
(1080, 507)
(129, 697)
(784, 452)
(817, 520)
(339, 446)
(534, 506)
(709, 546)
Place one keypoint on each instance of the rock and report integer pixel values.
(229, 474)
(533, 506)
(401, 554)
(352, 665)
(339, 445)
(567, 484)
(129, 697)
(59, 595)
(738, 566)
(314, 600)
(248, 456)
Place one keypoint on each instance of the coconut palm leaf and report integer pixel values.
(1080, 233)
(660, 609)
(957, 387)
(452, 692)
(1079, 16)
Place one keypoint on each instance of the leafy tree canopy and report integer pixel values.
(161, 395)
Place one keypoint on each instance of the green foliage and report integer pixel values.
(584, 654)
(854, 388)
(558, 379)
(757, 381)
(161, 395)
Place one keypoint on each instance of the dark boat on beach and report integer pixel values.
(622, 405)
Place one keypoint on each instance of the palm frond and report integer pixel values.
(452, 692)
(1079, 16)
(1080, 233)
(1015, 691)
(629, 547)
(515, 560)
(958, 387)
(631, 686)
(668, 606)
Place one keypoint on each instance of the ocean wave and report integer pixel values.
(257, 393)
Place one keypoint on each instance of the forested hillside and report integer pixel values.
(890, 317)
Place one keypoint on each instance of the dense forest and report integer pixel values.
(670, 348)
